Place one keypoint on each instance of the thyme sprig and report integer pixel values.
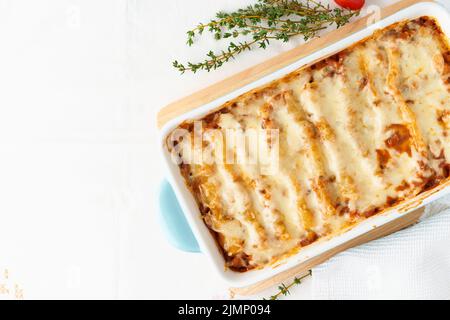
(283, 290)
(260, 23)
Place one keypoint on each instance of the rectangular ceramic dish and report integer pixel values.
(190, 208)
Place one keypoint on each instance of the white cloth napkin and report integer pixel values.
(411, 264)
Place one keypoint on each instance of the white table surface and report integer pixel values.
(81, 82)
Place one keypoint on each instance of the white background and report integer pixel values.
(80, 84)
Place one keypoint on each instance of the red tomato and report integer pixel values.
(351, 4)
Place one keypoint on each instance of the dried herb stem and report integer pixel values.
(264, 21)
(283, 290)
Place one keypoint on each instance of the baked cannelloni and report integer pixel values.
(309, 155)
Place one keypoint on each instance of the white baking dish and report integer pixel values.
(207, 243)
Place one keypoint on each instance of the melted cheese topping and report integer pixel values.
(357, 133)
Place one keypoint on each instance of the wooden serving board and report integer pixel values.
(252, 74)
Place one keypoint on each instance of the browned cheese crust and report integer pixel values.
(359, 132)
